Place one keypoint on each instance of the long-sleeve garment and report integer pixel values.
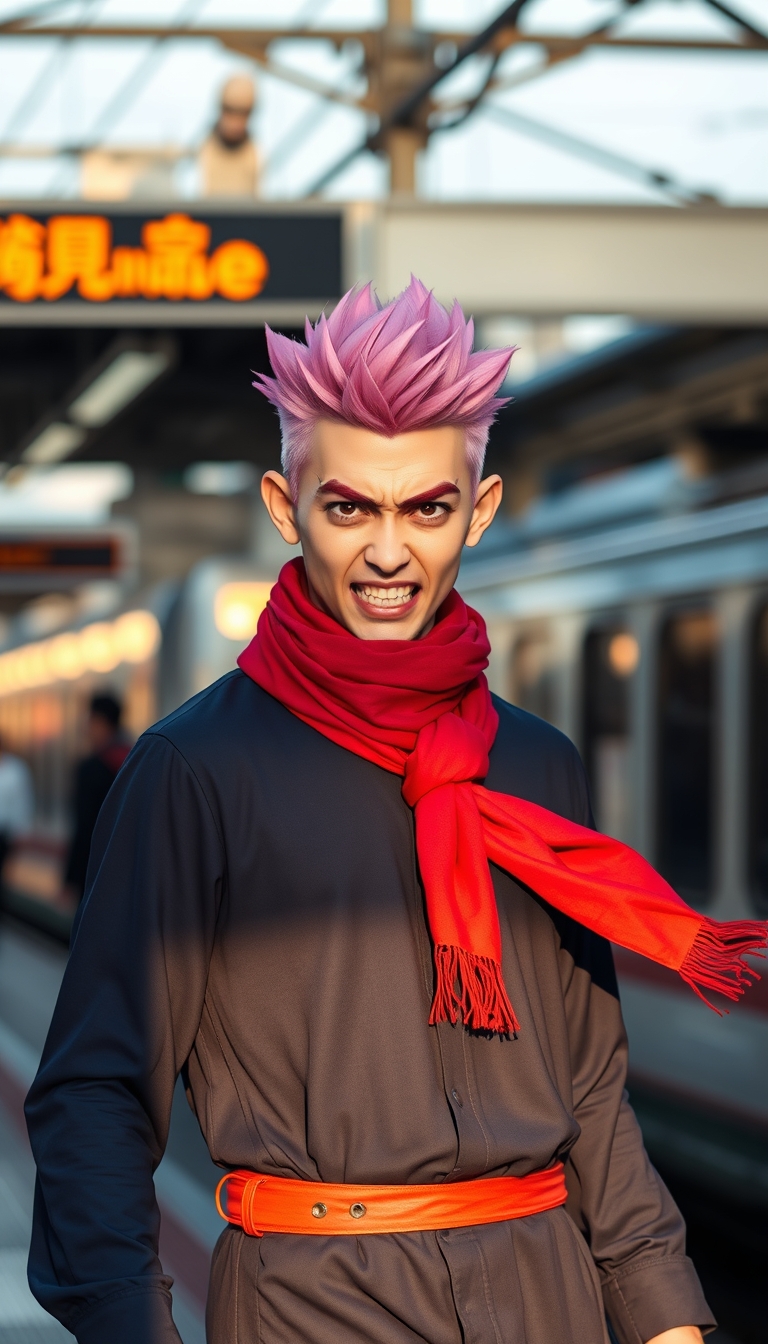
(254, 916)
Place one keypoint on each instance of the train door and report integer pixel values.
(532, 674)
(611, 656)
(686, 764)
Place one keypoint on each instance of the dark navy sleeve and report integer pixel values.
(99, 1110)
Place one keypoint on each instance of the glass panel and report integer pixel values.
(610, 659)
(686, 772)
(531, 675)
(758, 802)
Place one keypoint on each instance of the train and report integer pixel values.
(632, 613)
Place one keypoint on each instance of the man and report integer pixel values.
(228, 159)
(402, 1055)
(17, 801)
(94, 777)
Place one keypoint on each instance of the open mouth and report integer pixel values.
(386, 599)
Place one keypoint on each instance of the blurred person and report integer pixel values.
(17, 802)
(358, 903)
(228, 159)
(94, 777)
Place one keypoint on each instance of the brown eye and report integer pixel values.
(346, 510)
(430, 511)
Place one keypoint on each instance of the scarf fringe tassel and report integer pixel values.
(715, 960)
(472, 986)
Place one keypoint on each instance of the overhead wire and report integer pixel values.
(41, 11)
(604, 158)
(30, 98)
(314, 116)
(521, 77)
(508, 18)
(476, 99)
(296, 134)
(618, 164)
(310, 119)
(140, 76)
(310, 12)
(735, 17)
(561, 140)
(404, 111)
(400, 115)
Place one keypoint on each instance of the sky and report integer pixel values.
(699, 117)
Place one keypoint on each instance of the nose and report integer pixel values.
(386, 554)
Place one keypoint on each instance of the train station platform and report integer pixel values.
(31, 967)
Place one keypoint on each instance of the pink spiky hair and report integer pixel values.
(407, 365)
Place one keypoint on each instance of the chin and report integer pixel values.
(363, 627)
(387, 630)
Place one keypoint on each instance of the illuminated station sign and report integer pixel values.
(91, 260)
(60, 559)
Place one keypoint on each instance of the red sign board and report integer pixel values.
(48, 260)
(95, 258)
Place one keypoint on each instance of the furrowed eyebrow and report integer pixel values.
(427, 497)
(346, 492)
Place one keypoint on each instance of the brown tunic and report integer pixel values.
(255, 916)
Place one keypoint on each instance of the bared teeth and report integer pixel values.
(385, 597)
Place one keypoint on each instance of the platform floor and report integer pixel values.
(22, 1320)
(31, 967)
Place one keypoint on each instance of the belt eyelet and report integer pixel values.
(319, 1210)
(357, 1210)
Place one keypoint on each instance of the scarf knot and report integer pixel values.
(450, 750)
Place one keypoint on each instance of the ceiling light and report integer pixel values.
(237, 608)
(137, 636)
(53, 443)
(623, 654)
(99, 647)
(122, 380)
(65, 657)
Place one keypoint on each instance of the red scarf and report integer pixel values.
(422, 709)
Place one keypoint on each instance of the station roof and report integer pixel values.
(701, 392)
(654, 101)
(200, 407)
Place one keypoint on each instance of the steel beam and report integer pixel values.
(248, 40)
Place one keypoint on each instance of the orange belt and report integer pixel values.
(260, 1204)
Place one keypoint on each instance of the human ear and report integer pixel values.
(487, 501)
(276, 493)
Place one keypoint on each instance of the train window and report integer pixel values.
(532, 676)
(758, 803)
(610, 658)
(686, 756)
